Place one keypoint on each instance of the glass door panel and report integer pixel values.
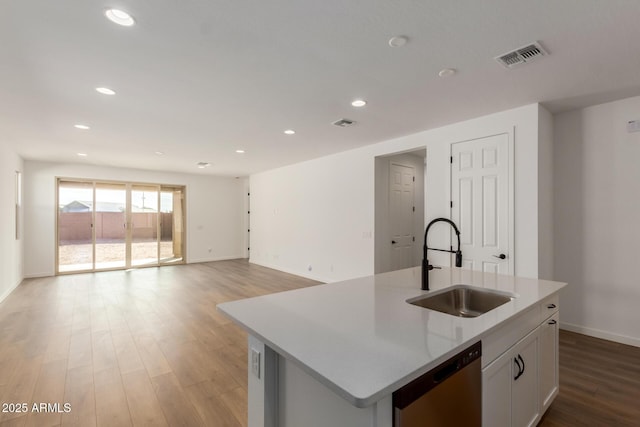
(171, 225)
(144, 225)
(75, 219)
(110, 226)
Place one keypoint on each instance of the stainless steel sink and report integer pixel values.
(463, 300)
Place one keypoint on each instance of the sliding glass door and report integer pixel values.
(110, 225)
(110, 222)
(145, 225)
(171, 225)
(75, 226)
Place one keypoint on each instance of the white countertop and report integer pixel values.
(363, 340)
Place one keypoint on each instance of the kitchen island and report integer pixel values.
(333, 354)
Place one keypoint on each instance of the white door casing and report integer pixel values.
(401, 215)
(481, 202)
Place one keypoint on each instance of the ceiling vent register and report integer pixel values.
(522, 55)
(344, 123)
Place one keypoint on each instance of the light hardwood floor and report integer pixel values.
(144, 347)
(147, 347)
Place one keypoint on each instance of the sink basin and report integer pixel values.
(462, 300)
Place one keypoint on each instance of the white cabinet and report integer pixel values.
(548, 361)
(510, 386)
(524, 391)
(520, 384)
(496, 392)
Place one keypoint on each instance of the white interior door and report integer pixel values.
(401, 212)
(480, 202)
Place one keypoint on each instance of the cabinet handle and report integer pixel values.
(523, 365)
(550, 306)
(515, 359)
(552, 322)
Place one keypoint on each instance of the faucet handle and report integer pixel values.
(459, 258)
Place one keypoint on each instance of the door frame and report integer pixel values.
(128, 188)
(510, 190)
(381, 245)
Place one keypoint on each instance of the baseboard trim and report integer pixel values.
(38, 275)
(224, 258)
(8, 291)
(597, 333)
(286, 270)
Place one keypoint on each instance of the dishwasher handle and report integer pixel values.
(446, 371)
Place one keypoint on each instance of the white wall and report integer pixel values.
(11, 250)
(596, 216)
(214, 211)
(545, 194)
(382, 236)
(320, 213)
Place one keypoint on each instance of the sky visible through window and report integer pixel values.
(68, 195)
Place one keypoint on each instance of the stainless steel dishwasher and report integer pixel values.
(448, 395)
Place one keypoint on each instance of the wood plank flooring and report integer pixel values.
(147, 347)
(144, 347)
(599, 384)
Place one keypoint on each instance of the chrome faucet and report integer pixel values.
(426, 267)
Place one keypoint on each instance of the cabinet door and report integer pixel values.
(548, 359)
(496, 391)
(524, 392)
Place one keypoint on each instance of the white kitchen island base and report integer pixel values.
(332, 355)
(286, 396)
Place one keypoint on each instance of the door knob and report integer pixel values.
(501, 256)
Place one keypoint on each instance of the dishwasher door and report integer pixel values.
(449, 395)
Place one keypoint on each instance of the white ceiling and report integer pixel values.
(198, 79)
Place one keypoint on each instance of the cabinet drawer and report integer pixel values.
(549, 306)
(498, 341)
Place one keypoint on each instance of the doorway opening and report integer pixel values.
(399, 210)
(105, 225)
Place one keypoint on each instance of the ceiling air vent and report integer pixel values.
(343, 123)
(521, 55)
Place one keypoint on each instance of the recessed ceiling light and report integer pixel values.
(120, 17)
(289, 131)
(83, 127)
(159, 153)
(398, 41)
(82, 154)
(240, 151)
(203, 165)
(447, 72)
(106, 91)
(359, 103)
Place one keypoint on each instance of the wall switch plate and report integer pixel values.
(255, 362)
(633, 126)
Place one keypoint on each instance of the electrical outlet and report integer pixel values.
(255, 362)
